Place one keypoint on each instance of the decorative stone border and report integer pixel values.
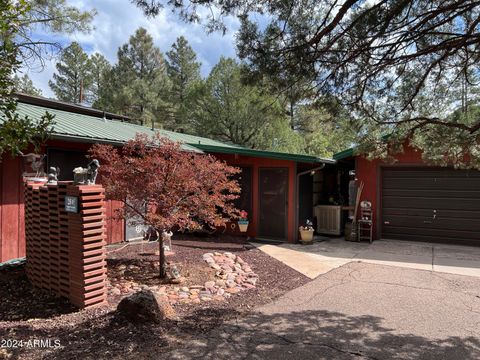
(232, 276)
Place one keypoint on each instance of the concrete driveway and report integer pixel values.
(321, 257)
(357, 311)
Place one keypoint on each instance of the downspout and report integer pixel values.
(297, 196)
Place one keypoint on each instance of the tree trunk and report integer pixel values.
(163, 263)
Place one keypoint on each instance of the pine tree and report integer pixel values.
(184, 72)
(229, 110)
(99, 70)
(24, 84)
(140, 80)
(74, 75)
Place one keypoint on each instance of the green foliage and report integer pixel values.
(73, 74)
(446, 146)
(50, 16)
(228, 110)
(279, 136)
(25, 85)
(140, 85)
(184, 72)
(100, 70)
(400, 67)
(16, 133)
(326, 127)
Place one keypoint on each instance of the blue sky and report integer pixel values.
(116, 20)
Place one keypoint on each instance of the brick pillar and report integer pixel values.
(54, 238)
(65, 250)
(44, 238)
(87, 235)
(37, 255)
(64, 278)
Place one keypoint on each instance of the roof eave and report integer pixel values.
(344, 154)
(261, 153)
(88, 140)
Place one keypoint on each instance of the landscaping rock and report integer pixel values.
(115, 291)
(178, 280)
(145, 307)
(233, 275)
(232, 290)
(220, 283)
(209, 284)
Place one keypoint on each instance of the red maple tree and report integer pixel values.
(165, 187)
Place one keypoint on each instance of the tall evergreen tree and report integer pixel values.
(25, 85)
(73, 75)
(100, 73)
(184, 71)
(140, 78)
(229, 110)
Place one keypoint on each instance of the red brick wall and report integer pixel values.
(369, 172)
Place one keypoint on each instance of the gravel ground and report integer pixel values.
(29, 314)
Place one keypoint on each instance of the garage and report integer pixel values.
(430, 204)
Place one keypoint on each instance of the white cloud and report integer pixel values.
(117, 20)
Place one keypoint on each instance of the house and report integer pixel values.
(277, 188)
(417, 202)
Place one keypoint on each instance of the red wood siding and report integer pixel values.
(12, 229)
(368, 171)
(115, 228)
(255, 164)
(11, 219)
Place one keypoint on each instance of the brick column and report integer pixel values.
(87, 256)
(64, 278)
(66, 250)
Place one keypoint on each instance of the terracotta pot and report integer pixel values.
(306, 235)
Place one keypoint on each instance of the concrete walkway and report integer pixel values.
(321, 257)
(358, 311)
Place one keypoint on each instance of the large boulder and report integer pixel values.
(145, 306)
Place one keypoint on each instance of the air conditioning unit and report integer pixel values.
(329, 219)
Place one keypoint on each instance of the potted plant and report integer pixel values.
(243, 221)
(306, 232)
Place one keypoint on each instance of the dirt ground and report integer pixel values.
(63, 332)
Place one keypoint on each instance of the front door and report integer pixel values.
(273, 189)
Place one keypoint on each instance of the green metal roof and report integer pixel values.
(344, 154)
(82, 127)
(87, 128)
(263, 153)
